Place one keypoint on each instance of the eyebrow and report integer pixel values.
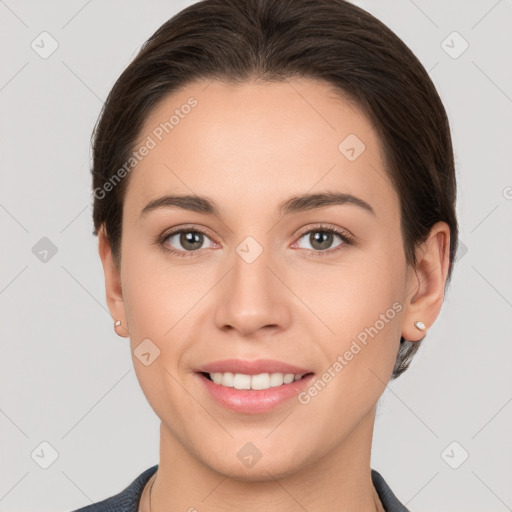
(294, 204)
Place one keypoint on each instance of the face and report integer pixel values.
(318, 285)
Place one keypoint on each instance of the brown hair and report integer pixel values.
(270, 40)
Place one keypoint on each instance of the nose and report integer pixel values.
(252, 297)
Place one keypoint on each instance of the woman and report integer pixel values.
(274, 196)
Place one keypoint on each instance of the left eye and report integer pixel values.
(321, 239)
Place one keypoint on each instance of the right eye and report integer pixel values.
(191, 241)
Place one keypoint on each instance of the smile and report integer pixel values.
(274, 390)
(256, 382)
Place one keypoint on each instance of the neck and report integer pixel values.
(339, 480)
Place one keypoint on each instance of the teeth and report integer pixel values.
(261, 381)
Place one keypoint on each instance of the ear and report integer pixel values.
(426, 282)
(113, 288)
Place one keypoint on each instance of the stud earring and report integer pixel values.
(419, 325)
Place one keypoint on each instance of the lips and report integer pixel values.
(250, 401)
(252, 367)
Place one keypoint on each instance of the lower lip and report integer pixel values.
(251, 401)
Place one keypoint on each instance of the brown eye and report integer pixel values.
(321, 240)
(184, 241)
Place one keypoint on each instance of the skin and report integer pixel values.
(248, 147)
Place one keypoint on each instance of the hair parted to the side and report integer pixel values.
(237, 41)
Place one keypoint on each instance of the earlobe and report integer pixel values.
(426, 283)
(120, 330)
(113, 287)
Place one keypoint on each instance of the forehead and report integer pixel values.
(257, 143)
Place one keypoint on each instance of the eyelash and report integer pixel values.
(324, 228)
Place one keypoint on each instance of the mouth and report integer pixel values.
(253, 386)
(257, 382)
(253, 393)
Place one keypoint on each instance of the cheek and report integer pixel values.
(365, 316)
(157, 314)
(360, 307)
(152, 290)
(162, 304)
(145, 306)
(353, 294)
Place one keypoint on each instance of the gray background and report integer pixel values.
(66, 377)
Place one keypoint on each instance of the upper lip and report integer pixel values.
(252, 367)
